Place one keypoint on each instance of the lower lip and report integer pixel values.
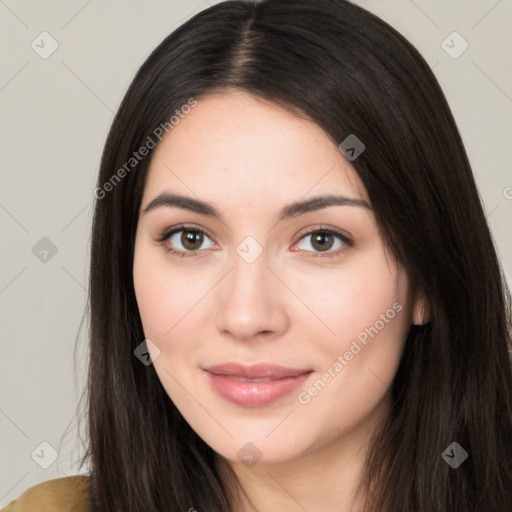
(255, 394)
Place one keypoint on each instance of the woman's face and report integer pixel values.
(260, 283)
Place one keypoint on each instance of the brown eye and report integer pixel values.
(184, 241)
(322, 241)
(191, 240)
(325, 242)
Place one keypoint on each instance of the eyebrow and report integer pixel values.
(292, 210)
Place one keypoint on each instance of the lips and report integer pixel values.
(254, 386)
(258, 371)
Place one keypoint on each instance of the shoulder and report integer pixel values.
(69, 494)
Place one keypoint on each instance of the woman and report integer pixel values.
(296, 302)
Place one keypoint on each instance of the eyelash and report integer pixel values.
(166, 234)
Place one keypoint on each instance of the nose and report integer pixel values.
(251, 300)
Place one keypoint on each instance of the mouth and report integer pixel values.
(257, 371)
(257, 385)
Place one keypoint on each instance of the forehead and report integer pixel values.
(234, 145)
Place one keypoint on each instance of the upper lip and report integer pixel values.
(256, 371)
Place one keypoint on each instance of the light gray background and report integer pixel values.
(56, 113)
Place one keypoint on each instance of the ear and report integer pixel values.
(421, 314)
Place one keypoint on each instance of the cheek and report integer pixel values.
(152, 301)
(367, 312)
(150, 287)
(371, 325)
(355, 298)
(166, 296)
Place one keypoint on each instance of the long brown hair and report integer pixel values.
(351, 73)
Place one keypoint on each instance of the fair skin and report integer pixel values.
(249, 158)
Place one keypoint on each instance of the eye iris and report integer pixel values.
(318, 240)
(191, 237)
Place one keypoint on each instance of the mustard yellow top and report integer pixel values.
(68, 494)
